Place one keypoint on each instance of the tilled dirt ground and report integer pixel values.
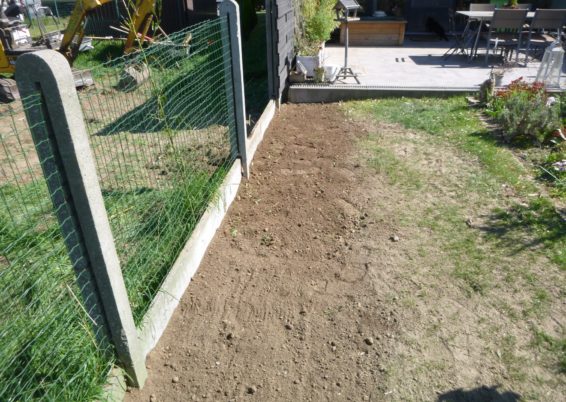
(315, 290)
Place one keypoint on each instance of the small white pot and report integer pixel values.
(497, 80)
(312, 62)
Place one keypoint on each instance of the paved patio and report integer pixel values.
(417, 67)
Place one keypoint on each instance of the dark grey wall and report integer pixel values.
(280, 44)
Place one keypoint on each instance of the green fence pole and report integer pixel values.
(230, 9)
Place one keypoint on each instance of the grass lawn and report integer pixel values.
(47, 345)
(451, 121)
(495, 239)
(49, 24)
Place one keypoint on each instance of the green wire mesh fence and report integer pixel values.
(161, 125)
(162, 128)
(47, 345)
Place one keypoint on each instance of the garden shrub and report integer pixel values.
(317, 24)
(525, 111)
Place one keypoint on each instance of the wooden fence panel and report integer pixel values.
(281, 41)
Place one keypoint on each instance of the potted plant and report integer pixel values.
(317, 25)
(319, 74)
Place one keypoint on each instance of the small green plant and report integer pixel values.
(555, 168)
(525, 111)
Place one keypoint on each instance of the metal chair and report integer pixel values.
(472, 26)
(505, 30)
(545, 22)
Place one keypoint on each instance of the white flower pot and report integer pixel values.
(312, 62)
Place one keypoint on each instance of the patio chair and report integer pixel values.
(482, 7)
(472, 26)
(545, 23)
(505, 30)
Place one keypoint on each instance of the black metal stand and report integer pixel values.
(346, 72)
(463, 42)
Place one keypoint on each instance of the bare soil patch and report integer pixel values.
(328, 281)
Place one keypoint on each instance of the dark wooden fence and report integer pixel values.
(280, 44)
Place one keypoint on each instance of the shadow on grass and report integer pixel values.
(530, 226)
(191, 101)
(481, 394)
(494, 136)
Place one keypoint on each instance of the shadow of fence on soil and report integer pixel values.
(481, 394)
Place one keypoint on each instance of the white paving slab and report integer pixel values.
(421, 64)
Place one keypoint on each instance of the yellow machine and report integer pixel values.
(14, 41)
(137, 26)
(141, 19)
(15, 38)
(74, 33)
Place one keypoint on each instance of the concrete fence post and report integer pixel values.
(230, 9)
(55, 117)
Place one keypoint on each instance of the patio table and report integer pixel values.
(482, 16)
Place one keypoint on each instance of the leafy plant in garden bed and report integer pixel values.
(527, 115)
(525, 112)
(555, 169)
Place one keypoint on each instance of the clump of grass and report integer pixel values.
(533, 225)
(514, 364)
(153, 226)
(471, 263)
(555, 348)
(386, 162)
(539, 303)
(47, 345)
(554, 168)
